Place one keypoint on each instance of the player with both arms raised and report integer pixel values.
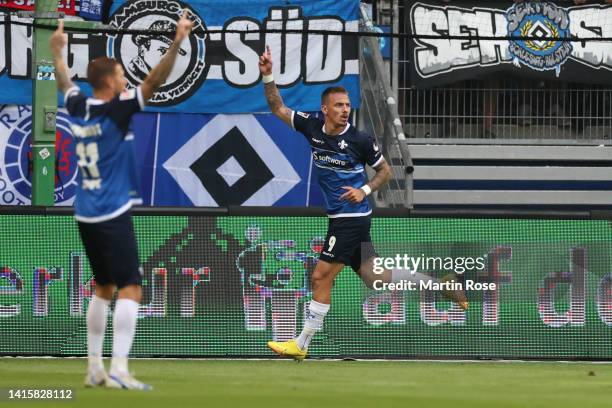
(100, 126)
(340, 153)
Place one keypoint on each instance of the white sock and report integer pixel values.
(124, 325)
(96, 325)
(398, 275)
(312, 323)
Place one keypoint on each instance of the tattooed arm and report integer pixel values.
(382, 176)
(275, 102)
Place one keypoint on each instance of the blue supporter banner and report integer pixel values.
(92, 9)
(217, 67)
(182, 159)
(219, 160)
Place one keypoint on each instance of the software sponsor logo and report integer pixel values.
(323, 158)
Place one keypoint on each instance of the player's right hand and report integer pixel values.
(58, 39)
(265, 62)
(352, 194)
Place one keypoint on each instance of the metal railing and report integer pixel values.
(379, 116)
(508, 112)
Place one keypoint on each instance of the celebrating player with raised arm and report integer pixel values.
(99, 127)
(340, 152)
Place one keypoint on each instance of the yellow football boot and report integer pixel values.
(288, 349)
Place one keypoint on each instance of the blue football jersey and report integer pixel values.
(135, 195)
(106, 164)
(340, 161)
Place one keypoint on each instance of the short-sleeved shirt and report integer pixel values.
(340, 161)
(105, 158)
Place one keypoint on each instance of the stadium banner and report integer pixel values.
(88, 9)
(223, 285)
(217, 68)
(70, 7)
(437, 60)
(182, 160)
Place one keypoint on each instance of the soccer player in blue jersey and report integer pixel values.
(340, 152)
(99, 126)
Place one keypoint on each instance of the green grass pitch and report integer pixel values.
(317, 384)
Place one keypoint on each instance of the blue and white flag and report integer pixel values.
(216, 69)
(182, 159)
(219, 160)
(92, 9)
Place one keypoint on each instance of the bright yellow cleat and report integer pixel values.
(288, 349)
(457, 296)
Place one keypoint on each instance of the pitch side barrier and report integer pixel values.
(320, 212)
(220, 282)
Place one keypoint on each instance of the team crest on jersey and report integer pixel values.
(139, 53)
(543, 22)
(16, 158)
(342, 144)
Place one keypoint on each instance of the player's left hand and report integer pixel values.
(183, 27)
(58, 39)
(265, 62)
(354, 195)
